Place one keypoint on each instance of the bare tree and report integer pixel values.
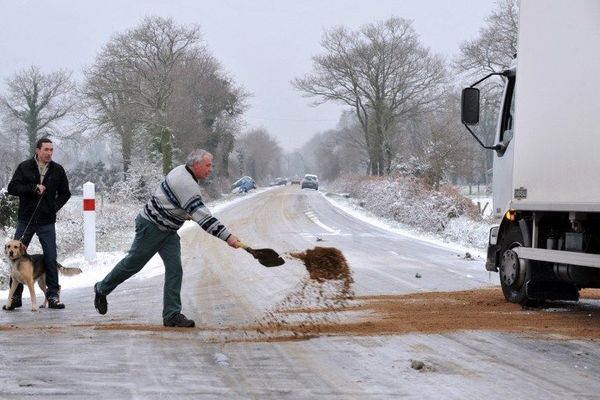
(111, 107)
(383, 72)
(444, 150)
(261, 153)
(322, 154)
(351, 148)
(206, 108)
(38, 101)
(159, 79)
(496, 46)
(150, 54)
(492, 51)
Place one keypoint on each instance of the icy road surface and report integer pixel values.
(127, 354)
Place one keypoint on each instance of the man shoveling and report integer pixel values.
(176, 200)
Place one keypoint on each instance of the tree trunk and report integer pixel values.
(379, 153)
(32, 131)
(166, 147)
(377, 157)
(227, 143)
(126, 150)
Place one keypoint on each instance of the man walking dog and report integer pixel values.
(176, 200)
(43, 189)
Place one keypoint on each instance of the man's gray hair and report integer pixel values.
(195, 156)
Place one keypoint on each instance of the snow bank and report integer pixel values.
(407, 201)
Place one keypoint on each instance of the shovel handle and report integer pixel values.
(242, 245)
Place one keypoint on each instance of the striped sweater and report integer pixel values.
(178, 199)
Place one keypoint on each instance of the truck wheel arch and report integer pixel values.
(514, 273)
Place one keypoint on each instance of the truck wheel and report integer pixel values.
(514, 272)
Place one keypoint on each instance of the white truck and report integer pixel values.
(546, 183)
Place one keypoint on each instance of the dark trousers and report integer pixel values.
(47, 236)
(148, 241)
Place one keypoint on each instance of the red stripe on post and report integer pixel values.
(89, 204)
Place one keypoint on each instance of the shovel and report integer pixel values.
(267, 257)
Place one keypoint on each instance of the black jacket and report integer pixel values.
(23, 184)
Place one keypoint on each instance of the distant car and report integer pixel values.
(244, 184)
(310, 181)
(296, 180)
(281, 181)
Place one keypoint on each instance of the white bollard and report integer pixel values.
(89, 221)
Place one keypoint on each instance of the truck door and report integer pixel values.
(504, 158)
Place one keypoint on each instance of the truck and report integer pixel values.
(546, 155)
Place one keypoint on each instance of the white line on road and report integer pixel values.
(313, 217)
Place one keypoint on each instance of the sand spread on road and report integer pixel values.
(442, 312)
(419, 313)
(323, 304)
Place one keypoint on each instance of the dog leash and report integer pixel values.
(32, 216)
(42, 175)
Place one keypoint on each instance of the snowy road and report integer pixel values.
(126, 354)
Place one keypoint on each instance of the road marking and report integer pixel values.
(312, 235)
(313, 217)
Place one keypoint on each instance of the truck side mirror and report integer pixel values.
(470, 106)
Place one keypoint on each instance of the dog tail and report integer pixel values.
(67, 271)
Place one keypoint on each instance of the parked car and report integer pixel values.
(244, 184)
(310, 181)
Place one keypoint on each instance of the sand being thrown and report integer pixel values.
(325, 264)
(317, 297)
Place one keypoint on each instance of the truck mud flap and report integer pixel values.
(491, 263)
(540, 290)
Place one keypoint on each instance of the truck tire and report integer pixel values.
(514, 273)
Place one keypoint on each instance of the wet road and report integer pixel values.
(127, 354)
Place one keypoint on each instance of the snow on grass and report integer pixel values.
(115, 232)
(406, 206)
(350, 207)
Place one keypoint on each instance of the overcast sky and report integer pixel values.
(262, 44)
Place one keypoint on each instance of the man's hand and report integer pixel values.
(233, 241)
(40, 189)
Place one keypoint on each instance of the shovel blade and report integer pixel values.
(267, 257)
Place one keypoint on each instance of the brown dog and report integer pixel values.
(27, 269)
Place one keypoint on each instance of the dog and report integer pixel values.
(27, 269)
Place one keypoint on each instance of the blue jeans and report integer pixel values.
(47, 236)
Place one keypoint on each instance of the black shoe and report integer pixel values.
(54, 302)
(16, 303)
(100, 301)
(180, 321)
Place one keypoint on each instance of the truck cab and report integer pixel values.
(547, 141)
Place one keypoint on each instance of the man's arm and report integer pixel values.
(63, 194)
(18, 186)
